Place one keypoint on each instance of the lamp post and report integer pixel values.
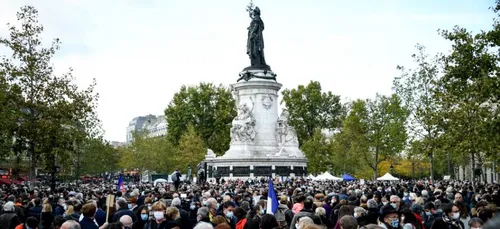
(391, 169)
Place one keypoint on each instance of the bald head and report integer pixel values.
(70, 224)
(126, 221)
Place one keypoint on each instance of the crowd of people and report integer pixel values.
(238, 204)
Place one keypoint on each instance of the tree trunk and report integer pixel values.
(32, 175)
(449, 163)
(375, 167)
(431, 167)
(473, 166)
(413, 169)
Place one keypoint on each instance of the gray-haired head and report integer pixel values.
(203, 225)
(372, 203)
(9, 207)
(70, 224)
(176, 202)
(211, 203)
(203, 212)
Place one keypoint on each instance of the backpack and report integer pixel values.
(174, 176)
(281, 217)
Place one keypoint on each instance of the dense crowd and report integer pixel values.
(238, 204)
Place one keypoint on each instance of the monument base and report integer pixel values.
(244, 168)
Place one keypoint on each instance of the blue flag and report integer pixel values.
(120, 183)
(272, 200)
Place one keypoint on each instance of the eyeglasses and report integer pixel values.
(394, 202)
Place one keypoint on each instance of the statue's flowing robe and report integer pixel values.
(255, 42)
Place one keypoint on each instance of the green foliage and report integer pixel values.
(416, 87)
(208, 109)
(469, 94)
(191, 149)
(160, 155)
(98, 157)
(318, 152)
(312, 109)
(352, 142)
(50, 112)
(386, 133)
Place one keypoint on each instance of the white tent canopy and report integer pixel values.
(387, 176)
(161, 180)
(327, 176)
(311, 177)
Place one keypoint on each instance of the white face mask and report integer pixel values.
(356, 215)
(297, 226)
(158, 215)
(455, 215)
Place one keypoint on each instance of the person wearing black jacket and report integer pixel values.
(184, 218)
(123, 210)
(450, 218)
(88, 212)
(9, 219)
(227, 213)
(36, 210)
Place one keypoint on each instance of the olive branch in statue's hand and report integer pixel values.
(250, 8)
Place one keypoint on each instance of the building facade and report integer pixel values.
(154, 126)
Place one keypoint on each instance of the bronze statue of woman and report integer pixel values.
(255, 42)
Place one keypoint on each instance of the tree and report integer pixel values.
(468, 93)
(51, 112)
(191, 148)
(416, 88)
(386, 133)
(312, 109)
(98, 157)
(352, 141)
(318, 153)
(208, 109)
(153, 154)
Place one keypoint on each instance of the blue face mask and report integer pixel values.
(205, 203)
(395, 223)
(229, 214)
(428, 213)
(218, 205)
(144, 217)
(394, 205)
(192, 207)
(129, 206)
(262, 211)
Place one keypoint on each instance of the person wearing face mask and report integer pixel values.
(122, 210)
(254, 217)
(227, 212)
(389, 218)
(430, 214)
(142, 217)
(450, 218)
(395, 202)
(361, 216)
(158, 221)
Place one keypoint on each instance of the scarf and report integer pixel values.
(455, 223)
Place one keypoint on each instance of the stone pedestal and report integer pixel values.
(262, 142)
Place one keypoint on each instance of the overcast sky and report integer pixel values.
(142, 51)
